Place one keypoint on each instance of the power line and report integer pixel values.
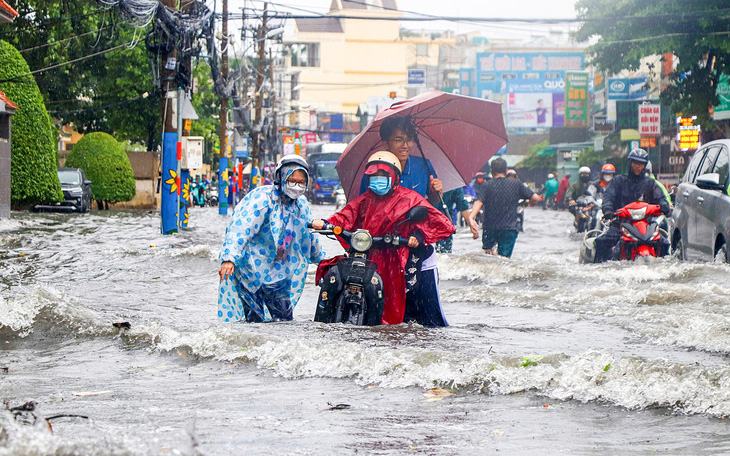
(63, 40)
(698, 15)
(91, 108)
(67, 63)
(32, 25)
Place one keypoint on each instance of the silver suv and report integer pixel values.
(702, 207)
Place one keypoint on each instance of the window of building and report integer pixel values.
(531, 76)
(553, 75)
(422, 50)
(294, 89)
(487, 77)
(304, 54)
(509, 76)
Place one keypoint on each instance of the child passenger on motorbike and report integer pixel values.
(379, 210)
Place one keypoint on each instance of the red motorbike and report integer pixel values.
(641, 234)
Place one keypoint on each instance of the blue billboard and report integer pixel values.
(495, 70)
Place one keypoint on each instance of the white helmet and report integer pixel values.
(386, 157)
(290, 160)
(551, 176)
(584, 170)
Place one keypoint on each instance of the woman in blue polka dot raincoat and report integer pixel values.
(268, 248)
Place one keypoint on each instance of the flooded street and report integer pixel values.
(542, 353)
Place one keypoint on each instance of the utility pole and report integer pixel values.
(170, 188)
(260, 69)
(223, 130)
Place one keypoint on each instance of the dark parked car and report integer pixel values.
(702, 207)
(76, 192)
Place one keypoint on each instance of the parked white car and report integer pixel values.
(702, 206)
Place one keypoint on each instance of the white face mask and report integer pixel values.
(607, 177)
(293, 190)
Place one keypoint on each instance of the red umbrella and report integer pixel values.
(458, 134)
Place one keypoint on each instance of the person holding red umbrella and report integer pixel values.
(379, 209)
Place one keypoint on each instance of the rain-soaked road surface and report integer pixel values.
(543, 355)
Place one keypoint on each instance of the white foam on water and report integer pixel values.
(46, 304)
(687, 315)
(9, 224)
(200, 250)
(595, 375)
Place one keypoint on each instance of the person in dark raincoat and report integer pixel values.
(625, 189)
(379, 210)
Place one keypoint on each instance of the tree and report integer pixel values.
(695, 32)
(33, 139)
(102, 93)
(107, 166)
(532, 160)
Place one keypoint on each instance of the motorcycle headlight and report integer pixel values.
(638, 214)
(361, 241)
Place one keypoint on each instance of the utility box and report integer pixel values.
(192, 152)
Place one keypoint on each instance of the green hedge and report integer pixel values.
(107, 166)
(34, 140)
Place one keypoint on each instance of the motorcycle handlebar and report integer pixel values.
(328, 229)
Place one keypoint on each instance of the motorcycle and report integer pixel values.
(351, 291)
(521, 205)
(587, 211)
(211, 196)
(641, 233)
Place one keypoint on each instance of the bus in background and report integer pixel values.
(322, 158)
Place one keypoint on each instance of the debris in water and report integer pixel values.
(337, 407)
(5, 369)
(436, 394)
(27, 407)
(122, 325)
(91, 393)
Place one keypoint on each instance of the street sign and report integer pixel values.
(722, 110)
(649, 141)
(649, 120)
(416, 77)
(600, 123)
(576, 99)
